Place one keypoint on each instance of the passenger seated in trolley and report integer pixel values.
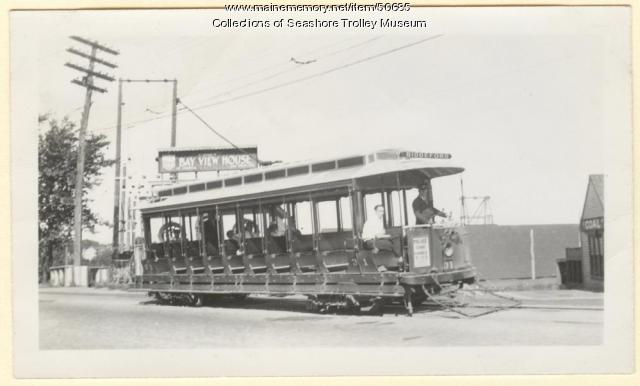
(277, 226)
(250, 230)
(211, 235)
(277, 229)
(375, 236)
(423, 206)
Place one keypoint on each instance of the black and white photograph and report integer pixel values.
(282, 189)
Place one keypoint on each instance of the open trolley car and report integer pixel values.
(297, 229)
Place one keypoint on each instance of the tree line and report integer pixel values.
(57, 157)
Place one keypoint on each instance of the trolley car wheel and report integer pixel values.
(311, 306)
(409, 307)
(160, 297)
(407, 301)
(196, 300)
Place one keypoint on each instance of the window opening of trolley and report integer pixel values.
(172, 235)
(213, 242)
(251, 229)
(210, 232)
(192, 235)
(303, 228)
(155, 235)
(276, 235)
(334, 230)
(228, 220)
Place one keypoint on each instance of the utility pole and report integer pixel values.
(87, 82)
(532, 253)
(463, 210)
(174, 108)
(122, 204)
(174, 111)
(119, 219)
(116, 186)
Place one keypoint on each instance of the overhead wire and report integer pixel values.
(292, 82)
(276, 74)
(318, 74)
(154, 107)
(200, 90)
(258, 81)
(217, 132)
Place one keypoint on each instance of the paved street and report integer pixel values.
(110, 319)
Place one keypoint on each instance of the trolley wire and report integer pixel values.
(289, 83)
(191, 93)
(200, 90)
(295, 68)
(217, 132)
(318, 74)
(285, 71)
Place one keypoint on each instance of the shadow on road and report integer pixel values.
(285, 304)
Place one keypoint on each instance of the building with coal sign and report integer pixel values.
(592, 234)
(583, 266)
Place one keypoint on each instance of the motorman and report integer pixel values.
(423, 206)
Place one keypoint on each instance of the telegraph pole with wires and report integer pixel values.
(119, 192)
(87, 82)
(174, 114)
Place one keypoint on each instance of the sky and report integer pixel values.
(522, 97)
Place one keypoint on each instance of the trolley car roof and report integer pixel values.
(299, 177)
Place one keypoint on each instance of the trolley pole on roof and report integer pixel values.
(87, 81)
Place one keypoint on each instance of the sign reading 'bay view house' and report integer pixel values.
(203, 159)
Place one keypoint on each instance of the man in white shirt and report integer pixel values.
(373, 233)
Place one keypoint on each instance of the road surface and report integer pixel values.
(75, 318)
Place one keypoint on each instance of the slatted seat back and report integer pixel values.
(175, 249)
(230, 247)
(192, 248)
(157, 250)
(335, 241)
(303, 243)
(276, 245)
(253, 246)
(161, 265)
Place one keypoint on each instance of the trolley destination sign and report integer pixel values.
(203, 159)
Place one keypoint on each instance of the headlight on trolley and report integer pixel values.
(448, 250)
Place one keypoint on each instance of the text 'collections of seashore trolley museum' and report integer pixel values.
(353, 232)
